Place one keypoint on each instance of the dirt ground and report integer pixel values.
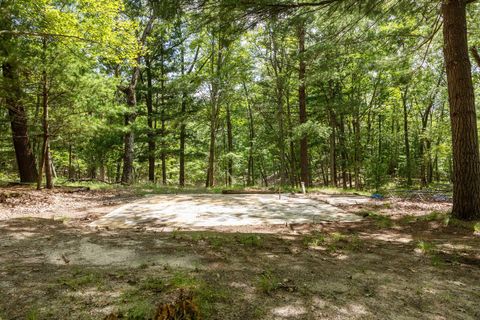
(401, 261)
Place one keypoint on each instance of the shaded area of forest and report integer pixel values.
(412, 268)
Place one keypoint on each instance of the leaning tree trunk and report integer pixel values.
(466, 159)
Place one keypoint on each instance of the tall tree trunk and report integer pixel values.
(45, 163)
(280, 87)
(70, 165)
(18, 121)
(251, 131)
(183, 135)
(216, 72)
(406, 137)
(343, 151)
(230, 147)
(211, 154)
(333, 147)
(304, 163)
(151, 131)
(131, 97)
(129, 138)
(183, 127)
(293, 158)
(163, 155)
(357, 147)
(466, 159)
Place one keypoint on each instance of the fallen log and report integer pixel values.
(249, 192)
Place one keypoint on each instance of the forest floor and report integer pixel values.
(404, 259)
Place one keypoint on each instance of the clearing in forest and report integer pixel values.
(214, 210)
(399, 260)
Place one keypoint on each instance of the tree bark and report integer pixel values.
(18, 121)
(45, 163)
(151, 131)
(304, 163)
(406, 137)
(466, 159)
(333, 147)
(230, 147)
(183, 135)
(251, 131)
(131, 97)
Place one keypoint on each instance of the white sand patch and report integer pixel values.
(192, 211)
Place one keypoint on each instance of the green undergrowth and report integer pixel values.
(381, 221)
(220, 240)
(141, 301)
(445, 218)
(333, 242)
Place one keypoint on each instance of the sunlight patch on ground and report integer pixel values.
(192, 211)
(289, 311)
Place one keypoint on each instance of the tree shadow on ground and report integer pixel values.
(348, 271)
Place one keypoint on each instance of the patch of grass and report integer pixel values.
(217, 242)
(183, 280)
(433, 216)
(354, 243)
(468, 225)
(268, 282)
(82, 280)
(426, 247)
(138, 310)
(206, 297)
(315, 239)
(408, 219)
(250, 240)
(331, 190)
(153, 284)
(476, 227)
(334, 241)
(32, 314)
(381, 221)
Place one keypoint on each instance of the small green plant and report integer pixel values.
(183, 280)
(216, 242)
(354, 243)
(408, 219)
(316, 239)
(337, 237)
(433, 216)
(31, 315)
(153, 284)
(78, 280)
(426, 247)
(476, 227)
(268, 282)
(381, 221)
(139, 310)
(250, 240)
(206, 297)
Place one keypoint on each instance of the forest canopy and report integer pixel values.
(351, 94)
